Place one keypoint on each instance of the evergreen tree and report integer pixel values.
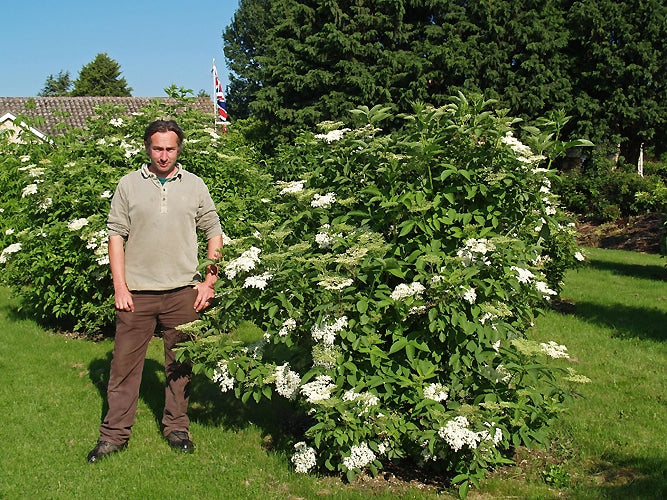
(244, 40)
(101, 77)
(619, 50)
(56, 86)
(295, 63)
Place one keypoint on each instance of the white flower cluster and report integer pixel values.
(523, 275)
(488, 316)
(457, 435)
(319, 389)
(304, 458)
(417, 310)
(97, 238)
(579, 256)
(130, 150)
(28, 190)
(290, 187)
(523, 152)
(470, 295)
(46, 203)
(246, 262)
(116, 122)
(475, 250)
(323, 200)
(222, 377)
(259, 281)
(335, 283)
(573, 376)
(554, 350)
(13, 248)
(35, 172)
(497, 374)
(287, 381)
(76, 224)
(497, 436)
(192, 328)
(549, 208)
(324, 240)
(402, 291)
(364, 400)
(326, 331)
(333, 135)
(436, 392)
(99, 242)
(541, 261)
(543, 288)
(360, 457)
(106, 194)
(226, 240)
(214, 135)
(288, 326)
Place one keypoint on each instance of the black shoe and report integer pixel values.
(102, 449)
(180, 440)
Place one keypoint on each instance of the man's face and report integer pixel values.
(163, 152)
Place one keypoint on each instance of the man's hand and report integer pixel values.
(124, 300)
(205, 294)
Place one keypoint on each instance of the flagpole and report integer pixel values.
(215, 100)
(220, 107)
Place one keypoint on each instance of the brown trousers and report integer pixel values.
(134, 331)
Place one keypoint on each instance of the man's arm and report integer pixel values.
(122, 294)
(206, 289)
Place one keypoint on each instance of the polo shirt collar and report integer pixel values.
(147, 174)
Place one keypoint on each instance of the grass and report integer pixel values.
(52, 399)
(611, 443)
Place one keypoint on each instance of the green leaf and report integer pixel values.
(398, 345)
(407, 226)
(463, 489)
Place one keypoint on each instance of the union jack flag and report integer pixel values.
(220, 104)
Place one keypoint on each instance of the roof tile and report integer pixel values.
(79, 108)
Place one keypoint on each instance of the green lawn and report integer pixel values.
(610, 444)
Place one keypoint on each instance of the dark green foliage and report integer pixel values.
(56, 86)
(602, 192)
(101, 77)
(296, 63)
(619, 51)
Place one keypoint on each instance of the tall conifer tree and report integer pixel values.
(101, 77)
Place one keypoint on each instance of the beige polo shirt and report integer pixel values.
(159, 224)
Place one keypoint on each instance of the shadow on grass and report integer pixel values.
(633, 478)
(208, 405)
(657, 273)
(625, 321)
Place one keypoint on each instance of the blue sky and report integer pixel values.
(156, 43)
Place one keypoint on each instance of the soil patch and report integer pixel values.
(638, 233)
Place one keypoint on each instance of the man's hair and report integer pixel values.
(163, 126)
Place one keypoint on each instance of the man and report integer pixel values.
(153, 252)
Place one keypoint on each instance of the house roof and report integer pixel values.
(78, 109)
